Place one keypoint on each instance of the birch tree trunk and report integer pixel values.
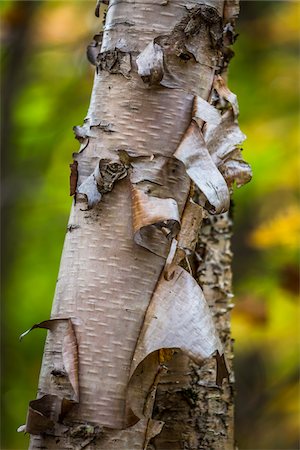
(130, 331)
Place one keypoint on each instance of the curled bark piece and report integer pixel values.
(223, 142)
(162, 177)
(178, 317)
(187, 238)
(235, 169)
(82, 132)
(42, 414)
(89, 188)
(150, 63)
(193, 152)
(45, 412)
(155, 221)
(46, 324)
(102, 180)
(223, 90)
(69, 349)
(203, 110)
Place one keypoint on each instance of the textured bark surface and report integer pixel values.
(198, 413)
(141, 145)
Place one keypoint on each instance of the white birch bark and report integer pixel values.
(149, 137)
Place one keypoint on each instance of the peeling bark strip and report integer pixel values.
(187, 238)
(159, 152)
(49, 410)
(69, 349)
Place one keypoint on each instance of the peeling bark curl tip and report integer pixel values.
(81, 132)
(69, 349)
(193, 152)
(45, 412)
(155, 221)
(224, 92)
(235, 170)
(223, 142)
(150, 63)
(206, 112)
(177, 317)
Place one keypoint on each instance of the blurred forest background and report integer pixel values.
(46, 85)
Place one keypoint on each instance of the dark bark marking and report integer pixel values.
(73, 177)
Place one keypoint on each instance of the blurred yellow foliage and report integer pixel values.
(281, 230)
(284, 26)
(281, 26)
(61, 23)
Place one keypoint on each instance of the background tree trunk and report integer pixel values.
(157, 63)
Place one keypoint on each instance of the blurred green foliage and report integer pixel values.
(265, 74)
(49, 94)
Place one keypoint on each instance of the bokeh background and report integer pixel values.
(46, 84)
